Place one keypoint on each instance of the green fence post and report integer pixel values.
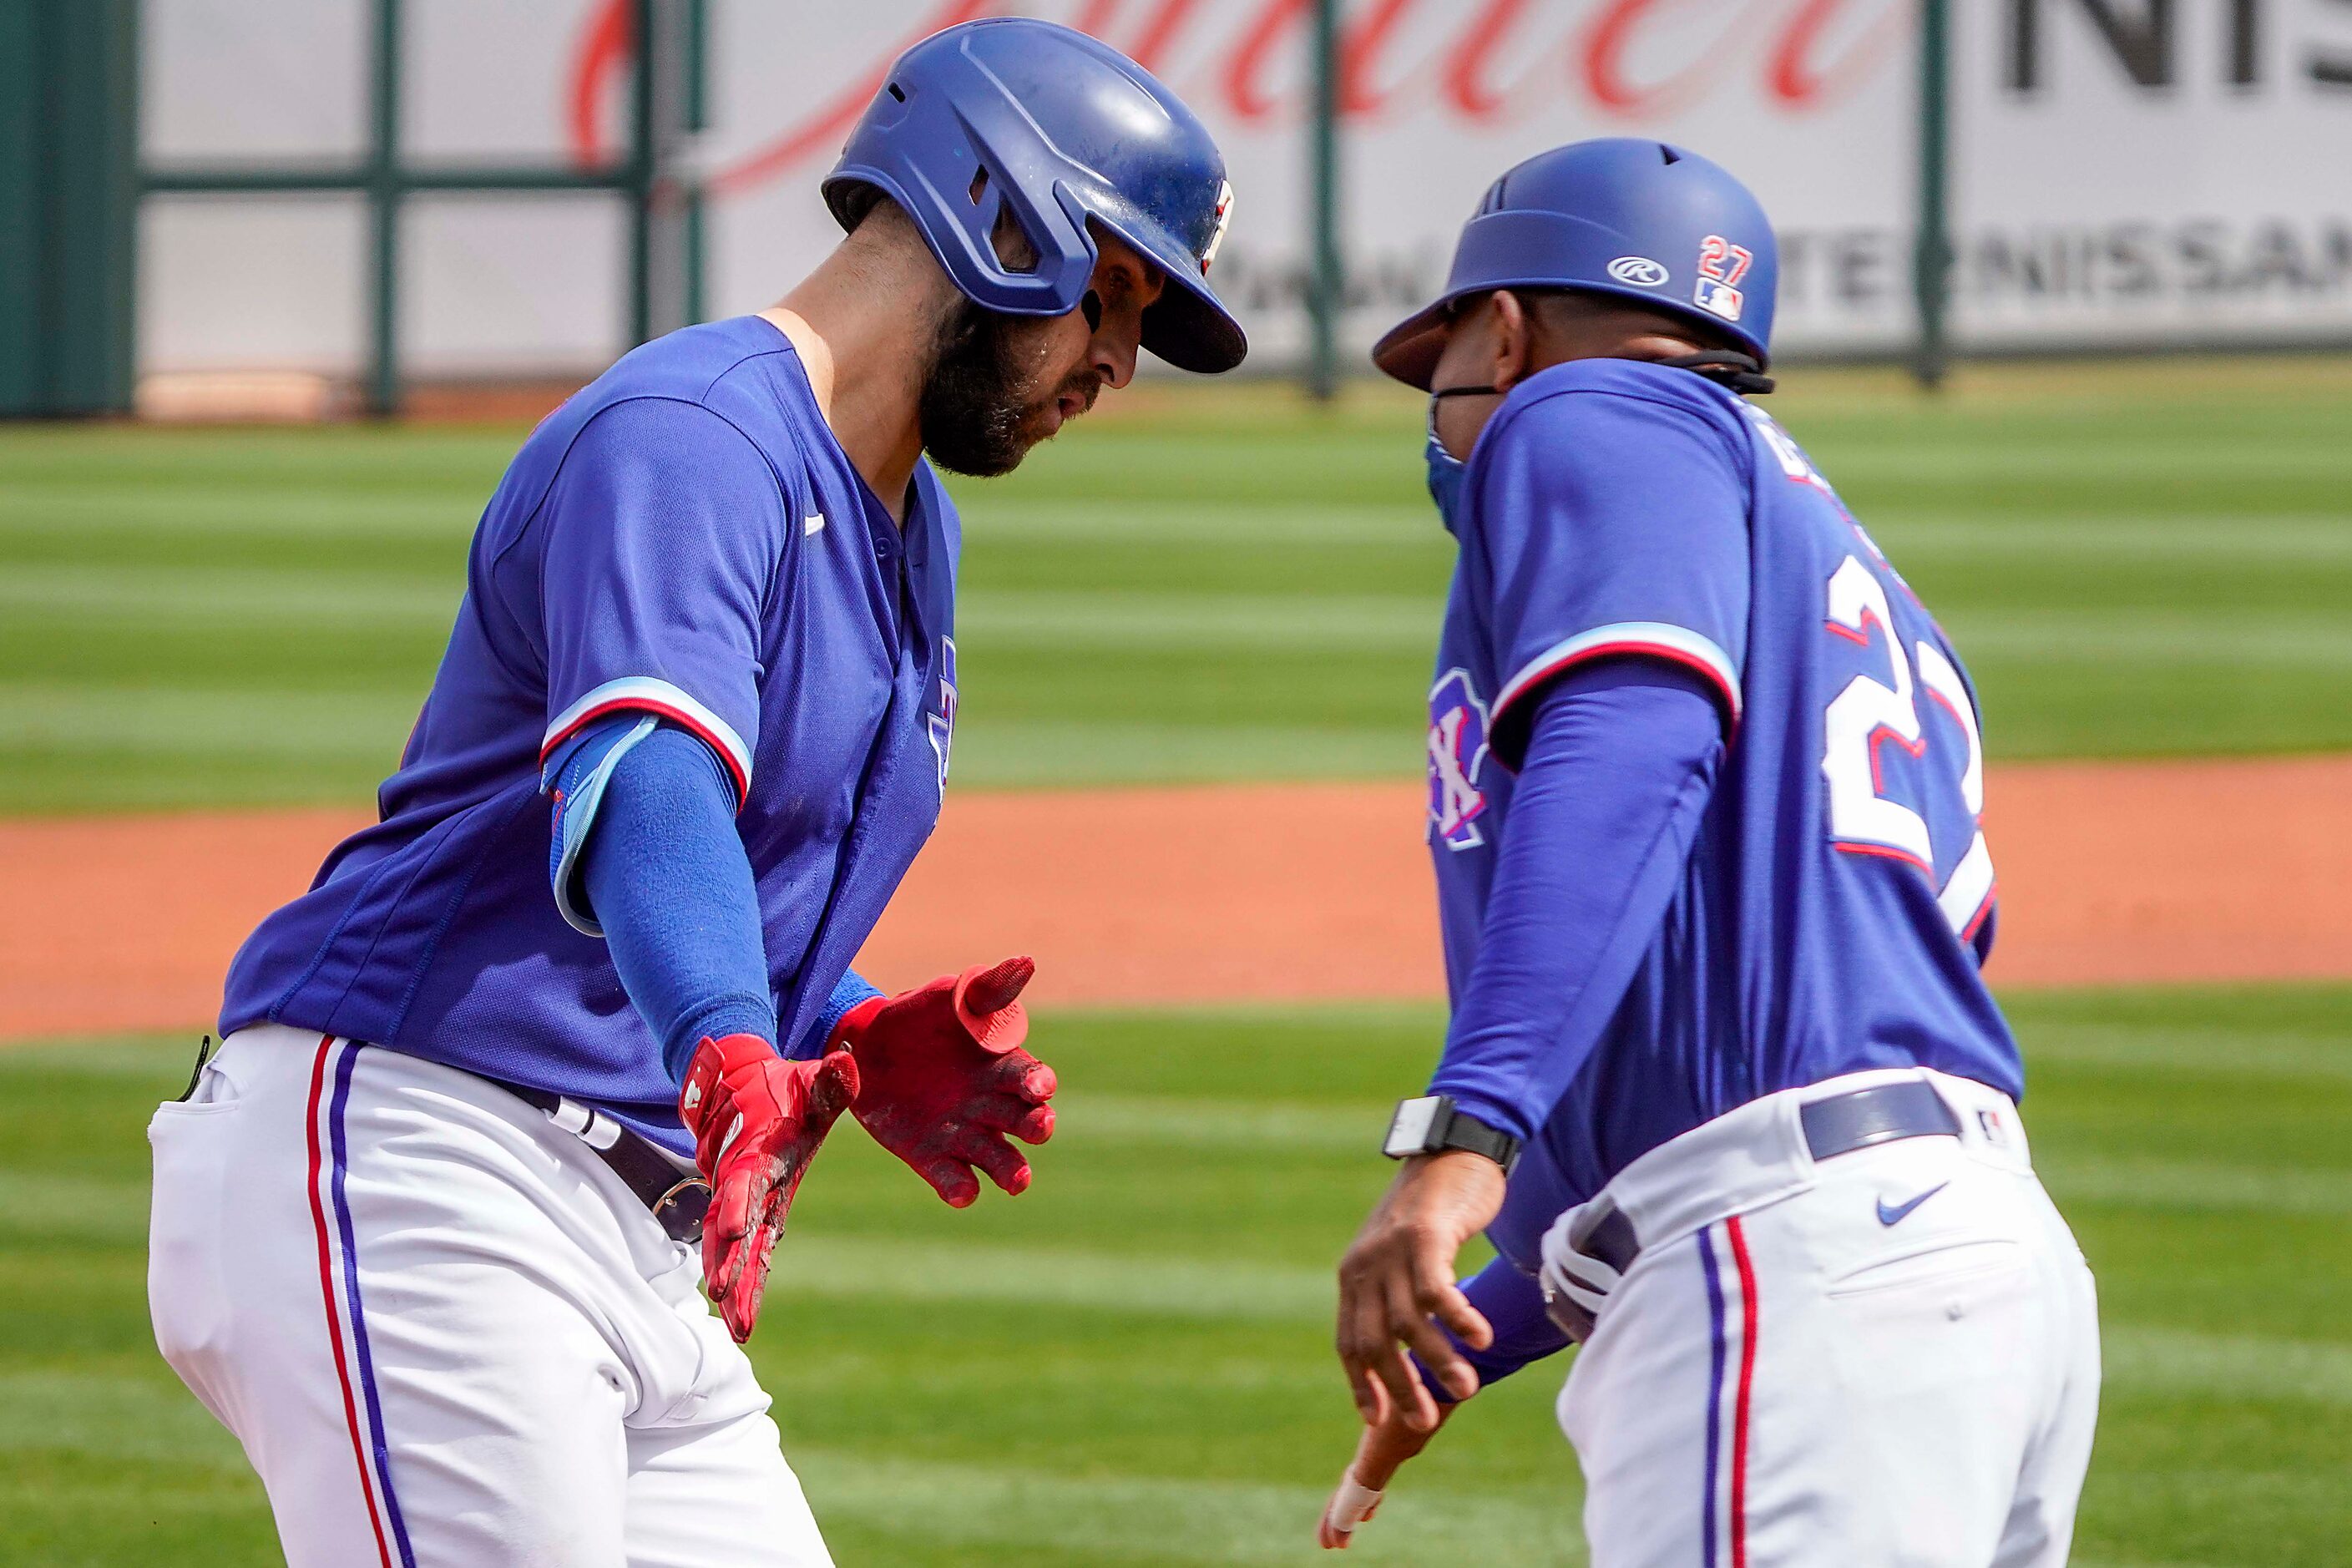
(698, 120)
(384, 192)
(644, 44)
(68, 202)
(1931, 254)
(23, 178)
(1324, 302)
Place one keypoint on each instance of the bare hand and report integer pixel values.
(1380, 1453)
(1398, 1275)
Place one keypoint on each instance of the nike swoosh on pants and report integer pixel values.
(1896, 1216)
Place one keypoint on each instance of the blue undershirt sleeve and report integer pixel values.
(1513, 1306)
(1618, 767)
(847, 993)
(667, 878)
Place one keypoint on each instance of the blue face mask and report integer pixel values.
(1445, 469)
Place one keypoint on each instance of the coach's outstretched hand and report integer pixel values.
(1399, 1275)
(757, 1120)
(944, 1083)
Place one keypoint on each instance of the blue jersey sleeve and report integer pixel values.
(663, 530)
(1612, 514)
(1617, 776)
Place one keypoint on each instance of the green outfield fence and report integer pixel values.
(71, 179)
(668, 102)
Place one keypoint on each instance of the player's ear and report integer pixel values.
(1515, 341)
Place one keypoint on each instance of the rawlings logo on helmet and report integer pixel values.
(1224, 222)
(1640, 272)
(1457, 755)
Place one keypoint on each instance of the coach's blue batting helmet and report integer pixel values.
(1624, 216)
(1019, 114)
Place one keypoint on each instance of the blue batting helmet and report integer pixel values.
(1636, 219)
(1019, 114)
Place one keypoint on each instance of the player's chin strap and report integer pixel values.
(1741, 373)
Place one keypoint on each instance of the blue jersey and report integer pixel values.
(1838, 901)
(685, 539)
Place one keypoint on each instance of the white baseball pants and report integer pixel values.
(1888, 1358)
(446, 1333)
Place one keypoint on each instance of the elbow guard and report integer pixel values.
(576, 776)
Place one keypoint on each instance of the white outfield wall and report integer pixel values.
(2125, 172)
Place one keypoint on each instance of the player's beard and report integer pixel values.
(980, 413)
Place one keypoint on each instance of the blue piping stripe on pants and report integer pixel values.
(351, 1297)
(1715, 1356)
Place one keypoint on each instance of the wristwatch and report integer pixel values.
(1430, 1125)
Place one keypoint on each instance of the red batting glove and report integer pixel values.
(943, 1079)
(757, 1120)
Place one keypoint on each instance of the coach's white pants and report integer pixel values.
(1800, 1370)
(447, 1334)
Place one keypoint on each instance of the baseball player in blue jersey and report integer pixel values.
(1723, 1084)
(422, 1229)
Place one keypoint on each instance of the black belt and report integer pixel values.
(679, 1199)
(1838, 1125)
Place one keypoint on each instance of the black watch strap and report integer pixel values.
(1430, 1125)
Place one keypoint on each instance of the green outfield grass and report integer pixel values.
(2145, 558)
(1130, 1365)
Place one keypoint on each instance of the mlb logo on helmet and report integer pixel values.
(1457, 755)
(1721, 266)
(1224, 222)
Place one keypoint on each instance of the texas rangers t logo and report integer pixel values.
(942, 723)
(1457, 755)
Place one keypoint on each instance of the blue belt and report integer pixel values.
(1841, 1124)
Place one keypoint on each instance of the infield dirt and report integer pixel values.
(2110, 873)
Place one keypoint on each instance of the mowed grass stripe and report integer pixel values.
(101, 729)
(2051, 1025)
(228, 596)
(2267, 1054)
(36, 1203)
(2224, 537)
(1118, 1519)
(242, 509)
(163, 721)
(1113, 1518)
(1177, 621)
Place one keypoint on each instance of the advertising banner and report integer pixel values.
(2128, 173)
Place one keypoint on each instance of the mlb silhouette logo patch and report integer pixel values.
(1458, 757)
(1721, 266)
